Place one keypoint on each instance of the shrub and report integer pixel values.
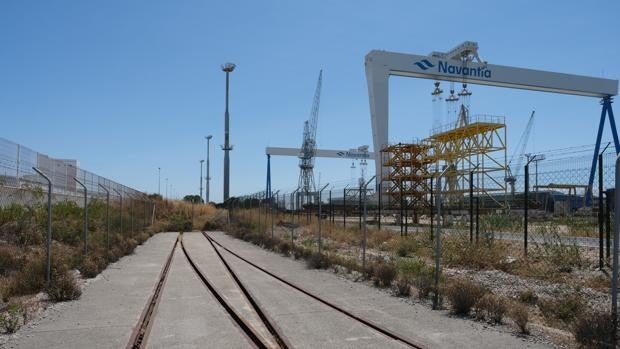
(463, 294)
(115, 254)
(89, 267)
(30, 279)
(8, 259)
(425, 283)
(565, 309)
(405, 247)
(410, 267)
(10, 320)
(284, 247)
(491, 307)
(528, 296)
(214, 225)
(521, 316)
(269, 243)
(142, 237)
(594, 330)
(383, 274)
(317, 261)
(301, 252)
(402, 287)
(63, 287)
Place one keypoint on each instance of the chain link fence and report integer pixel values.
(545, 253)
(92, 220)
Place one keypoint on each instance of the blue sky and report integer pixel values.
(129, 86)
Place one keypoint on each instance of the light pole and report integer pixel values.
(227, 68)
(201, 162)
(208, 189)
(166, 188)
(159, 181)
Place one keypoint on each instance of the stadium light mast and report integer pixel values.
(227, 68)
(207, 189)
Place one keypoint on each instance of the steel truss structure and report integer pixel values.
(407, 176)
(478, 146)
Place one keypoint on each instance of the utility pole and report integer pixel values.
(227, 68)
(159, 181)
(166, 188)
(201, 162)
(207, 189)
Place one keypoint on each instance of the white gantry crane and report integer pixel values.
(308, 146)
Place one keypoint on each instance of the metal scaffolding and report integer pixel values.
(407, 180)
(478, 146)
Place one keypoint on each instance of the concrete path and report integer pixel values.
(303, 321)
(204, 256)
(434, 329)
(188, 316)
(110, 305)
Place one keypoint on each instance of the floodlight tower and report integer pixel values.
(207, 189)
(227, 68)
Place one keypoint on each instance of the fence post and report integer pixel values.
(608, 194)
(344, 207)
(614, 272)
(107, 217)
(276, 194)
(120, 195)
(432, 236)
(364, 241)
(477, 217)
(359, 209)
(146, 212)
(380, 202)
(601, 209)
(320, 214)
(85, 233)
(132, 214)
(471, 206)
(152, 212)
(331, 212)
(525, 206)
(401, 206)
(309, 211)
(48, 247)
(437, 243)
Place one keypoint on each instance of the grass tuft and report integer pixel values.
(463, 295)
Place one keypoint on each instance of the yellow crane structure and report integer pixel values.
(478, 146)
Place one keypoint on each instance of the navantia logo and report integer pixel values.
(445, 67)
(424, 64)
(340, 153)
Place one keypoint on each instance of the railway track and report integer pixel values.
(272, 337)
(141, 332)
(384, 331)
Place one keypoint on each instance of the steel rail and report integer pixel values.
(263, 316)
(368, 323)
(247, 328)
(140, 333)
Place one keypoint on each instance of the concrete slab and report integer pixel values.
(203, 255)
(188, 316)
(110, 305)
(436, 329)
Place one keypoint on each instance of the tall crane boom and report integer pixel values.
(308, 146)
(519, 154)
